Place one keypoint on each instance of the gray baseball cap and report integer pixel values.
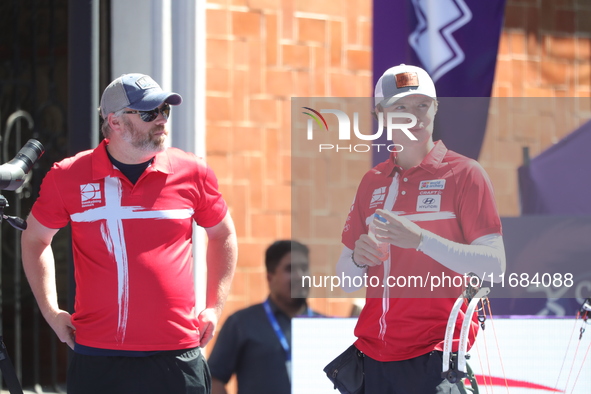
(135, 91)
(402, 80)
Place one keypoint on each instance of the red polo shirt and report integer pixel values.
(132, 245)
(447, 194)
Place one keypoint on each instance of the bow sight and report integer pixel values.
(12, 176)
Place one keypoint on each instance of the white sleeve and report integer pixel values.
(346, 269)
(484, 256)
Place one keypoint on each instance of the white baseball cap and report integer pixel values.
(400, 81)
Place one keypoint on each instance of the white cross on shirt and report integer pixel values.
(113, 213)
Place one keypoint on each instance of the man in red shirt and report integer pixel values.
(440, 219)
(131, 203)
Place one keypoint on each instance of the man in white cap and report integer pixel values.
(438, 217)
(131, 203)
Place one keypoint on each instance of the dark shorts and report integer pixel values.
(419, 375)
(171, 372)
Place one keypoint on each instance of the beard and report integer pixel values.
(151, 141)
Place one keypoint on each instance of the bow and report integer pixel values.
(454, 366)
(584, 315)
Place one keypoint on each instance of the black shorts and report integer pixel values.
(419, 375)
(170, 372)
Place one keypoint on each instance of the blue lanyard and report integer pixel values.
(278, 332)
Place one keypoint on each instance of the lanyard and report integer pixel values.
(278, 332)
(280, 335)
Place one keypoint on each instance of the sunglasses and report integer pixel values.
(151, 115)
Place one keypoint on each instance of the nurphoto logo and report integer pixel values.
(345, 127)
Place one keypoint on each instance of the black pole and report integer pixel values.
(83, 89)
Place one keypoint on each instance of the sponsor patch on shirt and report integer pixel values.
(429, 203)
(436, 184)
(90, 194)
(378, 196)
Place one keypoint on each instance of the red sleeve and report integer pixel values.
(211, 207)
(49, 208)
(477, 207)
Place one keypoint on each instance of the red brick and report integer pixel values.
(246, 24)
(365, 86)
(517, 43)
(279, 82)
(286, 169)
(302, 84)
(324, 7)
(264, 225)
(340, 85)
(220, 165)
(247, 139)
(255, 56)
(296, 56)
(352, 31)
(365, 33)
(278, 198)
(251, 254)
(219, 139)
(555, 73)
(359, 60)
(336, 43)
(255, 75)
(563, 48)
(583, 48)
(218, 52)
(533, 49)
(271, 39)
(218, 22)
(311, 30)
(263, 111)
(264, 4)
(218, 108)
(240, 52)
(287, 19)
(239, 217)
(256, 200)
(218, 79)
(258, 285)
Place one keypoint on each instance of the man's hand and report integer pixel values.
(61, 323)
(366, 252)
(398, 230)
(208, 321)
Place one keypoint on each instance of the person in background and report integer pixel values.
(255, 343)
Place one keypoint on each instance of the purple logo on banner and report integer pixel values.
(456, 41)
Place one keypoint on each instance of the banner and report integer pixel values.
(456, 41)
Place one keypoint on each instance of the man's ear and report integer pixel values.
(114, 121)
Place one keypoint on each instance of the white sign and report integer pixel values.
(533, 356)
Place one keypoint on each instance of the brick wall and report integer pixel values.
(260, 53)
(544, 64)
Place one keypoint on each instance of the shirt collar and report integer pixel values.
(275, 309)
(430, 163)
(102, 166)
